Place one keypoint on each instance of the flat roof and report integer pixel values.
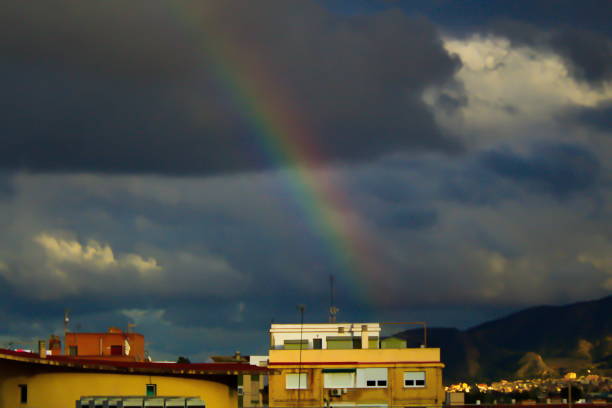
(191, 369)
(103, 334)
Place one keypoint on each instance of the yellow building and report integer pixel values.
(252, 387)
(38, 380)
(346, 364)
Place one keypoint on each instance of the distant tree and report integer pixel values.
(183, 360)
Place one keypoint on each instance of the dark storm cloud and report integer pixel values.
(134, 87)
(598, 117)
(559, 169)
(6, 185)
(588, 54)
(579, 32)
(417, 219)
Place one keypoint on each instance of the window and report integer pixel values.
(23, 393)
(414, 379)
(339, 378)
(317, 344)
(73, 350)
(151, 390)
(371, 378)
(116, 350)
(339, 342)
(296, 381)
(295, 344)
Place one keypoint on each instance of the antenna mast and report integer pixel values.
(333, 310)
(66, 321)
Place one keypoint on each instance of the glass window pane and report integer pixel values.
(294, 382)
(414, 379)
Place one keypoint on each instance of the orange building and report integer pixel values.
(113, 345)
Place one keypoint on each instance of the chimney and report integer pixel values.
(364, 337)
(42, 349)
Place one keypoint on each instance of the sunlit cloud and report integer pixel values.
(511, 92)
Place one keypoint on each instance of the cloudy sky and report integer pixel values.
(199, 168)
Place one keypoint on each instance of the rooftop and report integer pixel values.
(194, 369)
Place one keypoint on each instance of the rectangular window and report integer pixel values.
(414, 379)
(371, 377)
(317, 344)
(339, 378)
(23, 393)
(73, 350)
(339, 342)
(296, 381)
(295, 344)
(151, 390)
(116, 350)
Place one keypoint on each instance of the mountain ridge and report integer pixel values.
(536, 341)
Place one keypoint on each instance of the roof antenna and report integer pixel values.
(66, 322)
(333, 310)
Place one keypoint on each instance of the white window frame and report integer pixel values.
(291, 381)
(415, 376)
(377, 374)
(329, 380)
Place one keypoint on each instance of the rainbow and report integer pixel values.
(285, 138)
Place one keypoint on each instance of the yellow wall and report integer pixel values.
(394, 394)
(396, 360)
(352, 355)
(252, 387)
(51, 388)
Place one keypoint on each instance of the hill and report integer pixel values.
(539, 341)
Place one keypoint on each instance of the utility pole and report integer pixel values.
(301, 310)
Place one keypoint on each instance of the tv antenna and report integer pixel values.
(66, 322)
(333, 310)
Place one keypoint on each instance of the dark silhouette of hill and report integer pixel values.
(538, 341)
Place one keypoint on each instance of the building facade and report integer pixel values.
(112, 345)
(29, 380)
(252, 387)
(347, 364)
